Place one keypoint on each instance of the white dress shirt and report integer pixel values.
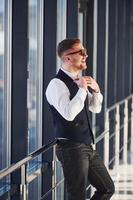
(58, 95)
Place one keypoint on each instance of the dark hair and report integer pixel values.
(66, 44)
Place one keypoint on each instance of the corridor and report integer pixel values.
(29, 33)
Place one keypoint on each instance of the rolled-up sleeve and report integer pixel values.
(95, 102)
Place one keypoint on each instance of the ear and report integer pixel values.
(66, 58)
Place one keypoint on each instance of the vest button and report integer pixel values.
(77, 124)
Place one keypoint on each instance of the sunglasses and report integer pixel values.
(82, 52)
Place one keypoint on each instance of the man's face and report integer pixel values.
(76, 57)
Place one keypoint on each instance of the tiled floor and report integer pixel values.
(123, 179)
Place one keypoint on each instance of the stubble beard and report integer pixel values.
(83, 66)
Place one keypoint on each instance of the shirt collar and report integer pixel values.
(72, 75)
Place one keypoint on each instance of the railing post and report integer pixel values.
(131, 147)
(117, 137)
(23, 186)
(106, 140)
(54, 195)
(125, 131)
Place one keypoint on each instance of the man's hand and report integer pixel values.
(87, 81)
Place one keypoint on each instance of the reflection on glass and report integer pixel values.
(2, 114)
(34, 90)
(32, 81)
(35, 68)
(61, 24)
(61, 34)
(60, 181)
(80, 26)
(5, 91)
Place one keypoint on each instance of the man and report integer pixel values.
(70, 102)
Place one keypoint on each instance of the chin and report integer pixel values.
(83, 66)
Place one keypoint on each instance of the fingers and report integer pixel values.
(88, 78)
(82, 82)
(92, 83)
(87, 81)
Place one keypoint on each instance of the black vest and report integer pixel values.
(78, 130)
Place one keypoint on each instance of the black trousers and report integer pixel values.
(81, 164)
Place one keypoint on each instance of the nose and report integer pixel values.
(85, 55)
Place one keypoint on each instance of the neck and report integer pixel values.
(71, 69)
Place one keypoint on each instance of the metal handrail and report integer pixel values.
(118, 103)
(44, 148)
(22, 164)
(34, 154)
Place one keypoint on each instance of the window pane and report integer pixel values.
(32, 81)
(61, 34)
(2, 141)
(34, 101)
(80, 26)
(5, 84)
(5, 90)
(34, 90)
(61, 24)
